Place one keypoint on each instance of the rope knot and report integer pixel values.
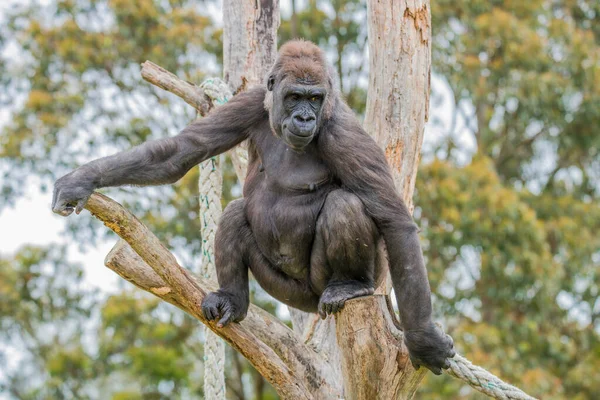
(217, 90)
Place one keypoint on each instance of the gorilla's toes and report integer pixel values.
(336, 294)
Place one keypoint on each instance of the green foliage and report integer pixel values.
(43, 309)
(137, 343)
(532, 73)
(511, 238)
(77, 72)
(148, 340)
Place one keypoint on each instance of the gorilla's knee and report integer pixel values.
(232, 216)
(344, 216)
(349, 236)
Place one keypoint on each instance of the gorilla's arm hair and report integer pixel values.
(167, 160)
(360, 165)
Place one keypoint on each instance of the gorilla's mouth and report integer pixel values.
(299, 140)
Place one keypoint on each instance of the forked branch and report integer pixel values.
(293, 368)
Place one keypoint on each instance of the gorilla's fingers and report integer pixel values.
(210, 311)
(226, 318)
(451, 345)
(415, 363)
(54, 198)
(63, 208)
(332, 308)
(322, 312)
(80, 204)
(206, 312)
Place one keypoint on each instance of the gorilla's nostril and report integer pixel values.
(304, 118)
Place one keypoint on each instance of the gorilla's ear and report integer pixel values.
(271, 83)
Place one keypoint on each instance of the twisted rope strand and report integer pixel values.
(211, 187)
(484, 381)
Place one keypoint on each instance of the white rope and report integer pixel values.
(211, 186)
(484, 381)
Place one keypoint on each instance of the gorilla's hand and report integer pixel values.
(429, 347)
(226, 306)
(71, 192)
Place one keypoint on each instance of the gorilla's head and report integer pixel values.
(301, 93)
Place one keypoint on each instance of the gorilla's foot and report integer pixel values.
(336, 293)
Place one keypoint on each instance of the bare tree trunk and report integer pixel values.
(249, 41)
(399, 79)
(249, 50)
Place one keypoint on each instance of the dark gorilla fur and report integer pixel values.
(319, 201)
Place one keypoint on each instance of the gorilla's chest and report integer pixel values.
(289, 191)
(286, 170)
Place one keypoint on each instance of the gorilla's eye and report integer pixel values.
(314, 99)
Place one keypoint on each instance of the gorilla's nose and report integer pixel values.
(302, 119)
(304, 124)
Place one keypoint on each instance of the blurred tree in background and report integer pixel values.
(512, 235)
(510, 226)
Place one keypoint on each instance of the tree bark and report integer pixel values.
(249, 50)
(249, 41)
(399, 80)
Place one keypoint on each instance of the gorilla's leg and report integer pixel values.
(236, 251)
(344, 253)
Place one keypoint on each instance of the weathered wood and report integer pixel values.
(399, 80)
(192, 94)
(293, 368)
(249, 50)
(374, 359)
(249, 41)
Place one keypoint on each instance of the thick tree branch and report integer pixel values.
(373, 351)
(293, 368)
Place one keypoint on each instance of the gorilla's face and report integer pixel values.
(296, 112)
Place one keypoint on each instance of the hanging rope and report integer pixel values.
(484, 381)
(211, 187)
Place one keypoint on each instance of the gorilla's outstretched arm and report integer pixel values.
(165, 160)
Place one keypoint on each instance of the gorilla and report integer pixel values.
(319, 216)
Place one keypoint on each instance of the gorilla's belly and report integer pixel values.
(284, 228)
